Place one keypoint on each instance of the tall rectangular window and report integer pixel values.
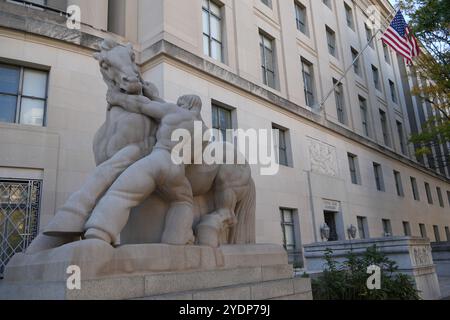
(384, 128)
(267, 3)
(349, 16)
(393, 91)
(212, 30)
(401, 137)
(440, 198)
(437, 235)
(290, 243)
(447, 233)
(353, 166)
(415, 189)
(376, 77)
(378, 173)
(448, 198)
(23, 95)
(398, 184)
(362, 227)
(406, 229)
(423, 230)
(369, 35)
(428, 192)
(331, 41)
(339, 98)
(222, 123)
(364, 116)
(281, 145)
(267, 60)
(356, 64)
(387, 56)
(308, 82)
(301, 18)
(387, 228)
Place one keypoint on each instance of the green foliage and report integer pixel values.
(348, 280)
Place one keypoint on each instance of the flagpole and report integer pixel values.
(322, 103)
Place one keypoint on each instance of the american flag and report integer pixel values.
(399, 37)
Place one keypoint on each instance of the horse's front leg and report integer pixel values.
(211, 226)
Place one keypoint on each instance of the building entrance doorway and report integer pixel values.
(330, 220)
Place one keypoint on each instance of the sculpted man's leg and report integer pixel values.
(70, 219)
(132, 187)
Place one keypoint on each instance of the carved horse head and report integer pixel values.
(118, 67)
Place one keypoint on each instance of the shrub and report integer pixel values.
(348, 280)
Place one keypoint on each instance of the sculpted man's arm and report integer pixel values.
(140, 104)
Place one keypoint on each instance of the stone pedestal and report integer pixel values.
(412, 255)
(155, 271)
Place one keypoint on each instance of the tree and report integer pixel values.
(430, 22)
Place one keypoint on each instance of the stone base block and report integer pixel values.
(155, 271)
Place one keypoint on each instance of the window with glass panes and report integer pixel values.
(288, 228)
(212, 30)
(437, 235)
(428, 192)
(393, 91)
(339, 98)
(376, 77)
(355, 58)
(398, 184)
(349, 16)
(221, 122)
(308, 82)
(364, 116)
(369, 35)
(378, 173)
(406, 229)
(423, 230)
(23, 95)
(331, 41)
(440, 198)
(401, 137)
(267, 60)
(415, 189)
(384, 128)
(387, 57)
(447, 233)
(352, 163)
(300, 18)
(387, 229)
(281, 145)
(362, 225)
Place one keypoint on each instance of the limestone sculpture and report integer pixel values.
(132, 152)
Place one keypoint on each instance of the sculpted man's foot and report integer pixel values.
(207, 236)
(97, 234)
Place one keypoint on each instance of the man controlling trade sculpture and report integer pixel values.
(133, 155)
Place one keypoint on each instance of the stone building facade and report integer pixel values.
(259, 64)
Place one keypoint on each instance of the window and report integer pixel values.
(212, 30)
(406, 229)
(23, 95)
(362, 227)
(398, 184)
(428, 191)
(447, 233)
(267, 61)
(327, 3)
(354, 168)
(448, 197)
(19, 216)
(222, 121)
(376, 77)
(393, 91)
(289, 229)
(387, 56)
(349, 16)
(423, 230)
(378, 173)
(267, 3)
(369, 35)
(38, 2)
(440, 198)
(387, 229)
(331, 41)
(401, 137)
(300, 18)
(437, 236)
(308, 82)
(281, 145)
(355, 58)
(415, 190)
(384, 128)
(339, 97)
(364, 116)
